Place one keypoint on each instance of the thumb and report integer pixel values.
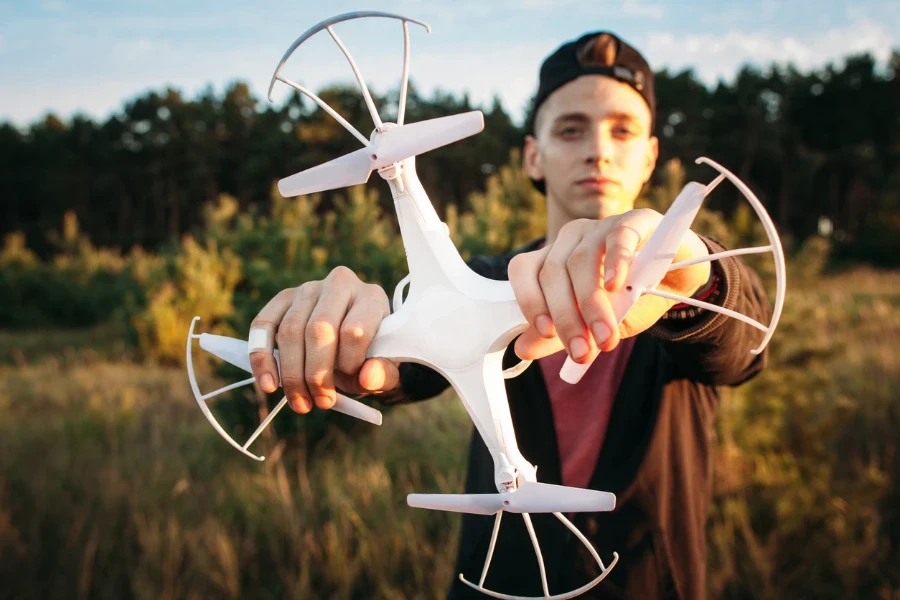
(532, 346)
(379, 375)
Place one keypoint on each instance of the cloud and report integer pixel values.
(102, 67)
(720, 56)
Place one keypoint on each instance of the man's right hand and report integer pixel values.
(323, 329)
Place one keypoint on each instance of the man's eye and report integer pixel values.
(569, 132)
(625, 132)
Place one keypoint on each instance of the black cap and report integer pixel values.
(585, 56)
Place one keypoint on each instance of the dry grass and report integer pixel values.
(113, 486)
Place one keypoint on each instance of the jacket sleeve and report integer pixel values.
(712, 348)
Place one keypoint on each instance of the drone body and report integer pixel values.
(460, 323)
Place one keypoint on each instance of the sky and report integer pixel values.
(91, 57)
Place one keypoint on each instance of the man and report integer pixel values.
(639, 423)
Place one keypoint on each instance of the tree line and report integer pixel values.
(820, 148)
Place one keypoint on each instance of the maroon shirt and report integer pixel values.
(581, 411)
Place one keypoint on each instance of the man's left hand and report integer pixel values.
(563, 288)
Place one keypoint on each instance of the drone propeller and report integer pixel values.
(235, 352)
(394, 144)
(350, 169)
(530, 497)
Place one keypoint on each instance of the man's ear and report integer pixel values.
(652, 156)
(532, 159)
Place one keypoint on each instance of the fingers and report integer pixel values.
(322, 334)
(368, 309)
(557, 287)
(583, 268)
(379, 375)
(621, 244)
(321, 326)
(687, 280)
(531, 346)
(568, 285)
(292, 343)
(354, 374)
(262, 339)
(624, 238)
(523, 276)
(376, 375)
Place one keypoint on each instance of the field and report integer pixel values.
(112, 485)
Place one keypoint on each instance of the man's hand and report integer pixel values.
(323, 329)
(563, 288)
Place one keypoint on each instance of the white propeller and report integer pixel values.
(393, 144)
(235, 352)
(403, 141)
(530, 497)
(350, 169)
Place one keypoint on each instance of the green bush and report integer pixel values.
(81, 286)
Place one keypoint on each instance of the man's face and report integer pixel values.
(592, 148)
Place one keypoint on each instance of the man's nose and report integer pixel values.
(599, 147)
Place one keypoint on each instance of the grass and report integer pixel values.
(113, 486)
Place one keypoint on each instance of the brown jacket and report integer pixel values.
(656, 455)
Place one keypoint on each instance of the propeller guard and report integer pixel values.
(604, 569)
(202, 398)
(236, 352)
(572, 372)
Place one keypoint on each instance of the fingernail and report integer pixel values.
(601, 332)
(544, 326)
(324, 402)
(267, 383)
(300, 404)
(578, 348)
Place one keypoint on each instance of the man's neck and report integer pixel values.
(556, 218)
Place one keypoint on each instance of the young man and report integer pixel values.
(639, 424)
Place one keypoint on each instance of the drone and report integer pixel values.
(459, 323)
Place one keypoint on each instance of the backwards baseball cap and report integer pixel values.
(596, 53)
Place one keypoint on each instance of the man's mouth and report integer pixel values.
(596, 183)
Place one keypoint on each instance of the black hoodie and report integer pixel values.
(656, 455)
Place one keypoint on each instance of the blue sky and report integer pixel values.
(65, 57)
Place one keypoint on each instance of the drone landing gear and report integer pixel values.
(604, 570)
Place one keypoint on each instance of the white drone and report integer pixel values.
(460, 323)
